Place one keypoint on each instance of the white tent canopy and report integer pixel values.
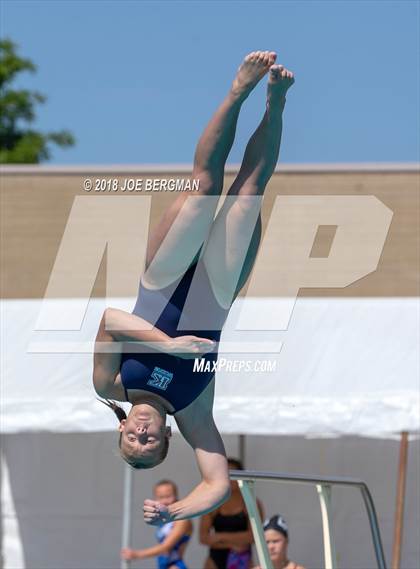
(344, 366)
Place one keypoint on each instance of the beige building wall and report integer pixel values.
(36, 202)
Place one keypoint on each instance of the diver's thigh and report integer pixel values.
(229, 256)
(178, 237)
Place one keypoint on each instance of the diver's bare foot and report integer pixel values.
(253, 68)
(279, 81)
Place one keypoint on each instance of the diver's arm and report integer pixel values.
(106, 363)
(211, 492)
(127, 327)
(207, 495)
(214, 488)
(107, 352)
(117, 326)
(197, 426)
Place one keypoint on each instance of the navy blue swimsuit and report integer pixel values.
(177, 311)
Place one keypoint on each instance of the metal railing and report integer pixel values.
(246, 479)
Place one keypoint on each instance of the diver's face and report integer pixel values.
(277, 544)
(143, 434)
(165, 494)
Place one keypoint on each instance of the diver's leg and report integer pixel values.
(185, 225)
(235, 234)
(217, 139)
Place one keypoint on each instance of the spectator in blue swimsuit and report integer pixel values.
(196, 264)
(172, 537)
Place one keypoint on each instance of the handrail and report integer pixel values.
(323, 485)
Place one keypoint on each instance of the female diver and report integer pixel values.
(196, 264)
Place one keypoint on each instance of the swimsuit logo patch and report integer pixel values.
(160, 378)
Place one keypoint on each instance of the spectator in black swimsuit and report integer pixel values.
(227, 530)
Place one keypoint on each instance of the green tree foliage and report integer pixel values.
(18, 143)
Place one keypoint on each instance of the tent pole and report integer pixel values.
(399, 510)
(242, 449)
(127, 507)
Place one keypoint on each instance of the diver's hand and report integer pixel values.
(188, 347)
(155, 513)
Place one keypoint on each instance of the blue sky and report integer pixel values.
(136, 81)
